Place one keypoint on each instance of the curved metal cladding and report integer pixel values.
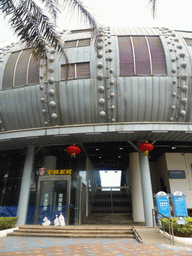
(121, 75)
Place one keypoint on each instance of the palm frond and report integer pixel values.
(77, 5)
(37, 28)
(153, 4)
(32, 26)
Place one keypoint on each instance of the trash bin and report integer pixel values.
(179, 205)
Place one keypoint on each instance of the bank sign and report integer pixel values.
(42, 171)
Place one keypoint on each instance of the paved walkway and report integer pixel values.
(153, 245)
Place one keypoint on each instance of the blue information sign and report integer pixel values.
(179, 206)
(163, 205)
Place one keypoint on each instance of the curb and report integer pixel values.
(177, 239)
(6, 231)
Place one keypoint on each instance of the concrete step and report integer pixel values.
(116, 219)
(74, 232)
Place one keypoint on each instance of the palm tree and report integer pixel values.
(34, 22)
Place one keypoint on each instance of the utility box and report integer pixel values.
(162, 203)
(179, 205)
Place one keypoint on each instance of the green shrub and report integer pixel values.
(7, 222)
(179, 230)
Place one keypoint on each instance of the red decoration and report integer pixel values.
(73, 150)
(146, 147)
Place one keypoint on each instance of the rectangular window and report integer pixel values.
(188, 41)
(157, 56)
(75, 71)
(126, 56)
(142, 61)
(77, 43)
(141, 55)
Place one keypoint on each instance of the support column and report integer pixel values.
(136, 188)
(25, 186)
(146, 188)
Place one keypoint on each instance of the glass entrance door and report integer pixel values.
(53, 198)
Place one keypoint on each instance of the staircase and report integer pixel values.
(108, 218)
(111, 201)
(111, 206)
(84, 231)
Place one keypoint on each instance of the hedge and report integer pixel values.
(7, 222)
(180, 230)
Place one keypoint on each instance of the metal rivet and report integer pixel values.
(100, 77)
(182, 112)
(179, 46)
(174, 94)
(101, 101)
(102, 114)
(184, 88)
(51, 59)
(182, 54)
(101, 89)
(99, 46)
(52, 104)
(184, 76)
(42, 99)
(100, 65)
(51, 69)
(51, 92)
(51, 80)
(41, 87)
(184, 100)
(112, 95)
(54, 116)
(99, 55)
(173, 107)
(183, 64)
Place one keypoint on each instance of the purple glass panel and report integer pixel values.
(142, 59)
(188, 41)
(33, 73)
(157, 56)
(126, 56)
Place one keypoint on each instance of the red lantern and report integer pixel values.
(146, 147)
(73, 150)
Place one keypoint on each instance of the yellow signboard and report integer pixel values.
(59, 172)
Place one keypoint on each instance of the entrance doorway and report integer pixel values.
(53, 198)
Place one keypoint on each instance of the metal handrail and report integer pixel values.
(137, 236)
(157, 218)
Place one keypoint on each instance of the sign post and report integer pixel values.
(179, 205)
(162, 203)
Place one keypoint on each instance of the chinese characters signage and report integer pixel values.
(177, 174)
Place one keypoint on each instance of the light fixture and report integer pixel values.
(120, 148)
(173, 147)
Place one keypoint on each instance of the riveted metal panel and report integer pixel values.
(134, 31)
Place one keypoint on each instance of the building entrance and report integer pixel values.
(53, 198)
